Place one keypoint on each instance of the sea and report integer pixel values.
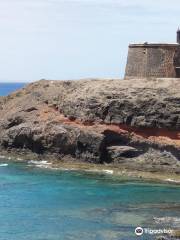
(7, 88)
(38, 202)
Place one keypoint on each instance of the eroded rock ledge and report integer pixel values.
(133, 123)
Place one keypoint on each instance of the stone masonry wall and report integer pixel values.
(152, 61)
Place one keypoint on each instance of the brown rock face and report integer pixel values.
(135, 123)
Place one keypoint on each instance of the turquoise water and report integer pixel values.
(7, 88)
(42, 204)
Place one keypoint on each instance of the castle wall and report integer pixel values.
(153, 60)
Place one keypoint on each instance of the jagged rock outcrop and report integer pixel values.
(125, 122)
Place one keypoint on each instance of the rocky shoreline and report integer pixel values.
(69, 164)
(129, 125)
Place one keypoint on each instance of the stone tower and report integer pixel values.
(159, 60)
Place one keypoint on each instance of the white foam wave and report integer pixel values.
(100, 171)
(108, 171)
(46, 164)
(3, 164)
(40, 164)
(172, 180)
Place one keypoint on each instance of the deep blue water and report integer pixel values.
(7, 88)
(53, 205)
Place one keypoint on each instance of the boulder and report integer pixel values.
(117, 153)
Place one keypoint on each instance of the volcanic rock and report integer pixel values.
(127, 122)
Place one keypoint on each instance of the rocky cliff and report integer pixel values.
(133, 123)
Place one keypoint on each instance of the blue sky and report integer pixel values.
(71, 39)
